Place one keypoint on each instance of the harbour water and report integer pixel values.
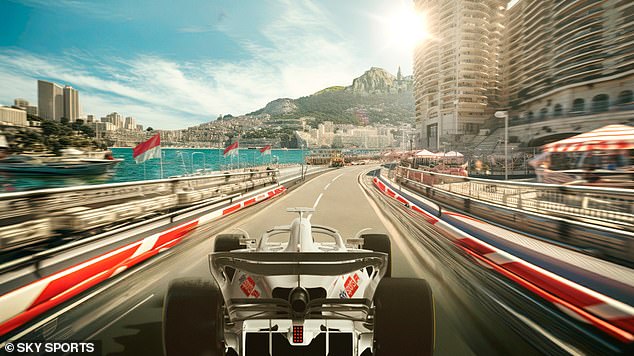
(176, 161)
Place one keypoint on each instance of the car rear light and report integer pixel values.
(298, 334)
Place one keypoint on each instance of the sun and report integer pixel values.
(406, 27)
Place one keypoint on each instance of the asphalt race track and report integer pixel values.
(125, 312)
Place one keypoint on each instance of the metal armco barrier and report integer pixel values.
(30, 299)
(607, 314)
(30, 217)
(497, 201)
(612, 207)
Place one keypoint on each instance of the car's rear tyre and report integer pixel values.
(379, 243)
(227, 242)
(193, 320)
(404, 317)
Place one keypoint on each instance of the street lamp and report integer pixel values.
(505, 116)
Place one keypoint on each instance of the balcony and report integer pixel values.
(591, 17)
(535, 11)
(587, 62)
(578, 36)
(588, 44)
(563, 6)
(588, 73)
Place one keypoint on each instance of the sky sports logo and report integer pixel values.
(74, 348)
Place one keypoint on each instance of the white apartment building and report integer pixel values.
(12, 117)
(24, 104)
(568, 59)
(50, 100)
(115, 119)
(457, 77)
(130, 123)
(71, 104)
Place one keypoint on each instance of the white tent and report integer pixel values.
(611, 137)
(425, 154)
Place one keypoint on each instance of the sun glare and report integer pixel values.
(406, 27)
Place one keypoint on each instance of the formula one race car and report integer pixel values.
(299, 290)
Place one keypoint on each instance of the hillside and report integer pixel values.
(377, 95)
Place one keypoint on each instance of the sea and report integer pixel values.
(175, 162)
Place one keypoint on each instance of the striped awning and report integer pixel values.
(611, 137)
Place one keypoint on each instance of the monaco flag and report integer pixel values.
(148, 149)
(266, 150)
(231, 149)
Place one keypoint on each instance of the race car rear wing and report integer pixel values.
(297, 263)
(355, 309)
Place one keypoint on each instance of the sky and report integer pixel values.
(174, 64)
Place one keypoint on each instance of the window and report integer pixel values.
(600, 103)
(625, 97)
(542, 113)
(530, 116)
(578, 105)
(558, 110)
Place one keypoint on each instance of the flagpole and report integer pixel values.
(161, 154)
(144, 172)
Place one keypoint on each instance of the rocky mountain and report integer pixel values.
(377, 96)
(379, 81)
(280, 107)
(375, 80)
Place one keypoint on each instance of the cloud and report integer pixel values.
(300, 52)
(153, 90)
(98, 9)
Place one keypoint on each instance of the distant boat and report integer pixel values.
(74, 162)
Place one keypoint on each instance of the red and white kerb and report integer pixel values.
(609, 315)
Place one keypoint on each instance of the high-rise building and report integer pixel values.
(457, 77)
(71, 103)
(568, 58)
(50, 100)
(130, 123)
(115, 119)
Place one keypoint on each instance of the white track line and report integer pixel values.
(327, 185)
(335, 178)
(317, 201)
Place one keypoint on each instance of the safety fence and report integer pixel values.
(30, 217)
(596, 221)
(612, 207)
(609, 315)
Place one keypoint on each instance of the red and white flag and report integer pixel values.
(266, 150)
(231, 149)
(148, 149)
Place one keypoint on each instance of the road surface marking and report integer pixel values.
(335, 178)
(326, 187)
(315, 205)
(317, 201)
